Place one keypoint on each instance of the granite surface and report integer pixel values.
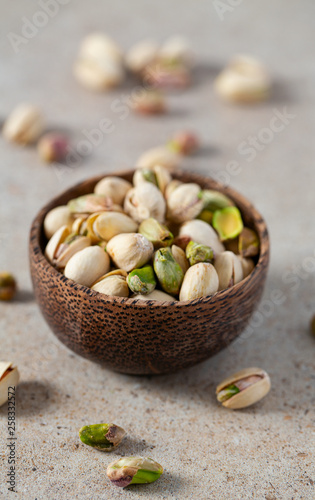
(208, 452)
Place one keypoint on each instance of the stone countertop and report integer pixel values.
(264, 452)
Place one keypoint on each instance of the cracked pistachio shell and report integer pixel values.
(86, 266)
(142, 280)
(183, 203)
(174, 184)
(113, 283)
(109, 224)
(114, 188)
(201, 232)
(163, 177)
(55, 241)
(143, 175)
(180, 257)
(133, 470)
(56, 218)
(160, 155)
(215, 200)
(145, 201)
(156, 295)
(247, 265)
(198, 253)
(243, 388)
(87, 227)
(141, 55)
(155, 232)
(168, 271)
(228, 223)
(201, 280)
(229, 269)
(130, 251)
(248, 243)
(103, 437)
(7, 286)
(24, 124)
(9, 377)
(244, 80)
(71, 245)
(90, 203)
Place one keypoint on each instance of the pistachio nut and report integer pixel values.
(89, 203)
(247, 265)
(9, 377)
(104, 437)
(201, 280)
(24, 124)
(157, 295)
(215, 200)
(57, 217)
(243, 388)
(160, 155)
(198, 253)
(229, 269)
(248, 243)
(184, 142)
(7, 286)
(168, 271)
(176, 49)
(113, 283)
(163, 177)
(100, 46)
(201, 232)
(53, 147)
(141, 55)
(55, 241)
(174, 184)
(142, 280)
(182, 242)
(114, 188)
(167, 73)
(71, 245)
(79, 225)
(155, 232)
(227, 222)
(180, 257)
(133, 470)
(149, 102)
(183, 203)
(313, 325)
(85, 226)
(244, 80)
(108, 224)
(143, 175)
(144, 201)
(129, 251)
(86, 266)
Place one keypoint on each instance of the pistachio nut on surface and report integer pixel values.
(87, 265)
(141, 55)
(160, 155)
(130, 250)
(24, 125)
(8, 286)
(168, 271)
(114, 188)
(133, 470)
(198, 253)
(201, 232)
(243, 388)
(201, 280)
(9, 377)
(229, 269)
(228, 222)
(142, 280)
(184, 142)
(53, 147)
(103, 437)
(156, 232)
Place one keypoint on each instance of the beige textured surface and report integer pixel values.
(207, 451)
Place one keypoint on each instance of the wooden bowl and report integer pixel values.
(145, 337)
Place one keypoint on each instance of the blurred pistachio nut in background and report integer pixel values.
(103, 437)
(8, 286)
(24, 124)
(133, 470)
(183, 203)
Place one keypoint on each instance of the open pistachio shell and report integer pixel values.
(86, 266)
(142, 280)
(183, 203)
(156, 295)
(180, 257)
(145, 201)
(248, 243)
(247, 265)
(156, 232)
(201, 280)
(168, 271)
(142, 175)
(90, 203)
(114, 188)
(174, 184)
(9, 377)
(243, 388)
(71, 245)
(163, 177)
(201, 232)
(133, 470)
(109, 224)
(113, 283)
(103, 437)
(129, 251)
(55, 241)
(140, 55)
(56, 218)
(229, 269)
(227, 222)
(214, 200)
(79, 225)
(195, 252)
(160, 155)
(24, 124)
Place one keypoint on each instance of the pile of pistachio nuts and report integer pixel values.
(158, 239)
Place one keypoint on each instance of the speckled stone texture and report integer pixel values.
(208, 452)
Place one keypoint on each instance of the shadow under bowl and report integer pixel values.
(145, 337)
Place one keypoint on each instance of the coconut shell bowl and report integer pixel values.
(145, 337)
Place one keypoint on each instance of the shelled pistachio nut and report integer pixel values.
(183, 203)
(168, 271)
(247, 265)
(228, 222)
(89, 203)
(214, 200)
(198, 253)
(68, 248)
(200, 280)
(108, 224)
(156, 232)
(160, 155)
(244, 80)
(144, 201)
(114, 188)
(86, 266)
(7, 286)
(53, 147)
(9, 377)
(55, 241)
(156, 295)
(113, 283)
(201, 232)
(184, 142)
(142, 175)
(56, 218)
(229, 269)
(24, 124)
(243, 388)
(142, 280)
(248, 243)
(130, 250)
(134, 470)
(180, 257)
(104, 437)
(141, 55)
(149, 102)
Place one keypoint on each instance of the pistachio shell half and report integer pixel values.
(144, 201)
(200, 280)
(129, 251)
(71, 245)
(180, 257)
(163, 177)
(55, 241)
(9, 377)
(109, 224)
(113, 187)
(201, 232)
(155, 232)
(86, 266)
(229, 269)
(227, 222)
(142, 175)
(243, 388)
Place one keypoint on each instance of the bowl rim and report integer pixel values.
(256, 218)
